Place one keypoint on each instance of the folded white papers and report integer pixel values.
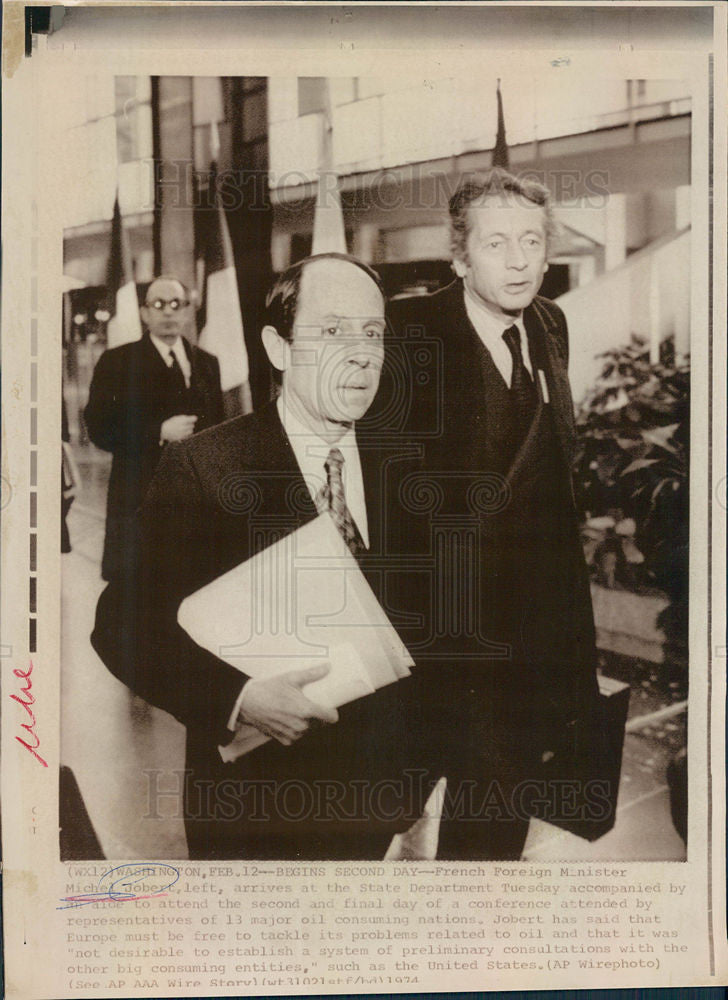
(347, 680)
(299, 602)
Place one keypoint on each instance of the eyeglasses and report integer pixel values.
(174, 304)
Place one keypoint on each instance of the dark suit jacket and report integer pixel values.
(543, 694)
(446, 407)
(129, 399)
(215, 500)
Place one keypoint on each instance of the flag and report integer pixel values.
(220, 317)
(329, 235)
(500, 150)
(123, 305)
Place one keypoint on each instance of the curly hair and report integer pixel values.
(497, 182)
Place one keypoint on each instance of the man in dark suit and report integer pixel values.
(215, 501)
(495, 418)
(144, 395)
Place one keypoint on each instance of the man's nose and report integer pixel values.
(361, 358)
(167, 308)
(366, 353)
(515, 257)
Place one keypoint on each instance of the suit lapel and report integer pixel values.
(157, 363)
(469, 347)
(474, 360)
(194, 358)
(152, 358)
(543, 332)
(464, 397)
(198, 371)
(372, 470)
(276, 456)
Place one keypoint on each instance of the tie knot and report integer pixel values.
(512, 337)
(335, 461)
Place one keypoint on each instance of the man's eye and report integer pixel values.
(331, 331)
(374, 332)
(495, 244)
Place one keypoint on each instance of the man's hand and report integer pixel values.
(178, 428)
(277, 706)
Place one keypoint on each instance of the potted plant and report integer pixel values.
(631, 473)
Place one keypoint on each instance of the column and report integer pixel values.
(615, 242)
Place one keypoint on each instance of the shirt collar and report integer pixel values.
(493, 326)
(311, 452)
(164, 348)
(303, 439)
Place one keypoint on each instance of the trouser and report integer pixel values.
(340, 792)
(475, 731)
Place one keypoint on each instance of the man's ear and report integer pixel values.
(460, 268)
(277, 349)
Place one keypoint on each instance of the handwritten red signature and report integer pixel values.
(26, 699)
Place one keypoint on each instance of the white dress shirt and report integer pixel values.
(490, 329)
(311, 452)
(179, 352)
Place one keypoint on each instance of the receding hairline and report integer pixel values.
(309, 265)
(166, 277)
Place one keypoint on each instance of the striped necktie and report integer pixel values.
(333, 494)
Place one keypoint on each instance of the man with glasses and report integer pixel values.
(143, 395)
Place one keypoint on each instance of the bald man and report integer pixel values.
(327, 784)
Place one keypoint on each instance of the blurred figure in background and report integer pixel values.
(70, 478)
(144, 394)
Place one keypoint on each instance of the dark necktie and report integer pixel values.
(333, 493)
(523, 390)
(176, 374)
